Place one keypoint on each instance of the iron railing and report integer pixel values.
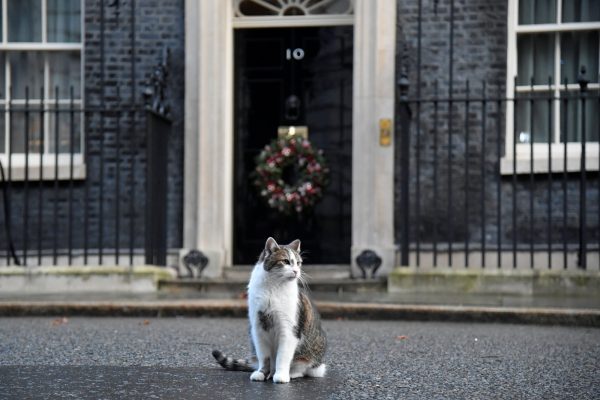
(471, 191)
(49, 217)
(485, 202)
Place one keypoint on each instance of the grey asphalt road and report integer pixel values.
(110, 358)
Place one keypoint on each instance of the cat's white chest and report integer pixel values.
(279, 302)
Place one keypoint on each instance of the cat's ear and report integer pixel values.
(295, 245)
(271, 245)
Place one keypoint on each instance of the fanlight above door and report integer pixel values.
(294, 8)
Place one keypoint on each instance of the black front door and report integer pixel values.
(294, 77)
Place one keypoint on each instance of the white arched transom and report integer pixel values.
(285, 8)
(288, 13)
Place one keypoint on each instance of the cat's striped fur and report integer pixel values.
(285, 327)
(234, 364)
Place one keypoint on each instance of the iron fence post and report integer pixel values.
(583, 87)
(158, 129)
(405, 116)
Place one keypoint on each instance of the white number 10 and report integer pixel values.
(297, 54)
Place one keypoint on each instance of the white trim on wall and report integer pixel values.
(373, 99)
(63, 165)
(208, 131)
(289, 22)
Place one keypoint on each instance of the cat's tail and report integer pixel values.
(232, 364)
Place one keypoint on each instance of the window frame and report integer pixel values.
(50, 164)
(573, 150)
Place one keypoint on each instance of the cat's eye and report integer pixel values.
(286, 262)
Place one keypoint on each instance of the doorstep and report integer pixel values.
(64, 279)
(334, 279)
(236, 288)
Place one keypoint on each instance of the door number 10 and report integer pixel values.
(296, 54)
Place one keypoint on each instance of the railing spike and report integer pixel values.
(582, 80)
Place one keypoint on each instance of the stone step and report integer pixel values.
(321, 278)
(237, 287)
(310, 271)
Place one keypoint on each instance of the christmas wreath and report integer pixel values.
(311, 175)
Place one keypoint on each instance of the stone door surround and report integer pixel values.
(208, 164)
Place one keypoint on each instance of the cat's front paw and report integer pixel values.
(257, 376)
(281, 377)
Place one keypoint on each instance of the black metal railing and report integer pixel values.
(46, 193)
(517, 199)
(487, 176)
(80, 204)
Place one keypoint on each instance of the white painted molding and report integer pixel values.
(560, 27)
(373, 98)
(541, 159)
(15, 166)
(208, 130)
(190, 200)
(289, 22)
(48, 173)
(280, 9)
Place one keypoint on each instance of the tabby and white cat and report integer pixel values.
(285, 327)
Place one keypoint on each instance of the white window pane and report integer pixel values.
(27, 70)
(580, 10)
(535, 58)
(537, 11)
(536, 126)
(64, 20)
(67, 121)
(65, 72)
(25, 126)
(573, 118)
(24, 20)
(577, 49)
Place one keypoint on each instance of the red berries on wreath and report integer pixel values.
(312, 174)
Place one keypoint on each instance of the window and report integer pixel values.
(549, 41)
(40, 83)
(255, 13)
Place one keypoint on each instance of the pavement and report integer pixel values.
(570, 311)
(106, 358)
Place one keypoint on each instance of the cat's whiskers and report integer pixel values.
(303, 279)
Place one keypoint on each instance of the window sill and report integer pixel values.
(540, 164)
(48, 169)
